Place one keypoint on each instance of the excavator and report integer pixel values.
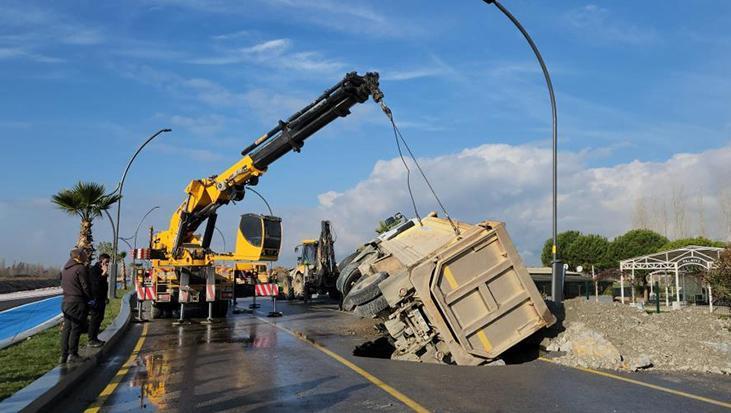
(316, 270)
(183, 267)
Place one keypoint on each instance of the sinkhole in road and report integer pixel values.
(524, 352)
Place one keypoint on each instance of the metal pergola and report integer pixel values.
(673, 260)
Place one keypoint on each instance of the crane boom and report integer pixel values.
(178, 244)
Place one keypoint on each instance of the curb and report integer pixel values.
(44, 391)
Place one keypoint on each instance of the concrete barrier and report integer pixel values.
(40, 395)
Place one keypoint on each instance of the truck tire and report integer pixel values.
(371, 308)
(366, 289)
(155, 311)
(347, 277)
(347, 260)
(298, 286)
(287, 287)
(220, 309)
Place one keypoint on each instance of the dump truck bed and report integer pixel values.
(474, 294)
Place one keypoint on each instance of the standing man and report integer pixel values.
(99, 286)
(76, 295)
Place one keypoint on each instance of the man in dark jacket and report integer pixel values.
(99, 286)
(76, 295)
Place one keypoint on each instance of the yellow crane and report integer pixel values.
(182, 262)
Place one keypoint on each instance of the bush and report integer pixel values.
(720, 277)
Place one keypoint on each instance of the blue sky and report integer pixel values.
(85, 82)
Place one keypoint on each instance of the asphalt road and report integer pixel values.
(303, 362)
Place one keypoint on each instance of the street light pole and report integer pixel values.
(557, 265)
(120, 187)
(140, 223)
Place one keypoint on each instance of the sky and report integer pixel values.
(642, 91)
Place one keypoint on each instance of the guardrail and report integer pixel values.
(47, 389)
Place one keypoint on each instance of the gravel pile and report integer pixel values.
(617, 336)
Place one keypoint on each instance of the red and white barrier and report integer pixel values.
(145, 289)
(266, 290)
(211, 286)
(141, 253)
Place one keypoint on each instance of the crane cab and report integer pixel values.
(259, 238)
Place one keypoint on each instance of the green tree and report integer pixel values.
(564, 240)
(121, 256)
(587, 250)
(720, 277)
(634, 243)
(684, 242)
(88, 201)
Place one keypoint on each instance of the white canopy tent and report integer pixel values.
(674, 261)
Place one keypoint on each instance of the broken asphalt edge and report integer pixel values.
(47, 389)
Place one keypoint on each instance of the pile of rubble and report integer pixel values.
(616, 336)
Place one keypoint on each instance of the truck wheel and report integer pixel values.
(220, 309)
(347, 260)
(155, 311)
(298, 286)
(346, 278)
(366, 289)
(371, 308)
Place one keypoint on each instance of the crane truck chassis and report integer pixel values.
(183, 267)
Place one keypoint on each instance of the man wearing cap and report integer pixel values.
(76, 295)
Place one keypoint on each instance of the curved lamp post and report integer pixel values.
(222, 238)
(557, 265)
(140, 223)
(120, 187)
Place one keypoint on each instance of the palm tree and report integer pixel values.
(87, 200)
(121, 256)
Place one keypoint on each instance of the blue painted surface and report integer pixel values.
(21, 318)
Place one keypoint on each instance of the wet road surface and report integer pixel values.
(246, 363)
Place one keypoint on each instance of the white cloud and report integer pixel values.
(15, 53)
(206, 125)
(594, 22)
(232, 35)
(327, 199)
(274, 54)
(29, 29)
(512, 184)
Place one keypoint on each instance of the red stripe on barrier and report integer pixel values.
(266, 290)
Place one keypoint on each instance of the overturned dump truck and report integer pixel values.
(446, 292)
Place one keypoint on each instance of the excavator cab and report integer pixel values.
(306, 252)
(259, 238)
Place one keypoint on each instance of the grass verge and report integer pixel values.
(22, 363)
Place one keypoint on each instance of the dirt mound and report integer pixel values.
(689, 339)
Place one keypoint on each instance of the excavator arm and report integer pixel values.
(205, 196)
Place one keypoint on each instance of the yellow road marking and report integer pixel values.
(485, 342)
(450, 277)
(651, 386)
(413, 405)
(119, 376)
